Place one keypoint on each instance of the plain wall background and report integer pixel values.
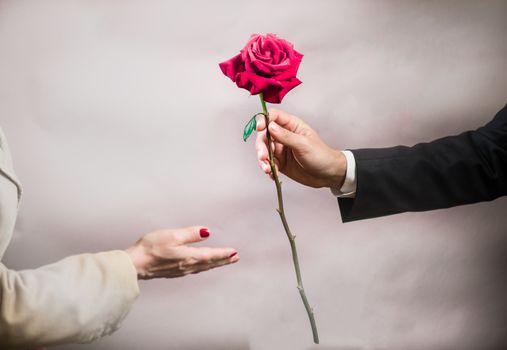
(121, 122)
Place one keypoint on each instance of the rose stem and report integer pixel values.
(290, 236)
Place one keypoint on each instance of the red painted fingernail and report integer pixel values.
(204, 232)
(233, 254)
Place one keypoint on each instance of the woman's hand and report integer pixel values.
(299, 152)
(165, 254)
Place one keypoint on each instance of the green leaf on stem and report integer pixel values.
(250, 127)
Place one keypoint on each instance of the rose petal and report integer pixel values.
(268, 69)
(255, 83)
(275, 94)
(271, 48)
(292, 71)
(232, 67)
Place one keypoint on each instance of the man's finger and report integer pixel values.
(286, 120)
(261, 147)
(261, 123)
(279, 153)
(285, 137)
(262, 152)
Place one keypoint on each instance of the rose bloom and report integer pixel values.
(266, 64)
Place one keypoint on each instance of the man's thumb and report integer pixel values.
(284, 136)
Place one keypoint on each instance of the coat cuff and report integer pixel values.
(123, 290)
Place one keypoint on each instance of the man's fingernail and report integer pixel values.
(274, 126)
(233, 254)
(204, 232)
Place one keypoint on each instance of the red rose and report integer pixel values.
(266, 64)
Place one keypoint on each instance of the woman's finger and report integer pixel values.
(186, 260)
(205, 267)
(190, 235)
(209, 255)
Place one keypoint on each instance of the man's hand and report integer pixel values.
(165, 254)
(299, 152)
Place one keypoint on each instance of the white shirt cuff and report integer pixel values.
(348, 189)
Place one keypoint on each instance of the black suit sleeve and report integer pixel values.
(454, 170)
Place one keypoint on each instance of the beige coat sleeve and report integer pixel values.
(76, 300)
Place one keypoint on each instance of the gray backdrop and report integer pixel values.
(121, 122)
